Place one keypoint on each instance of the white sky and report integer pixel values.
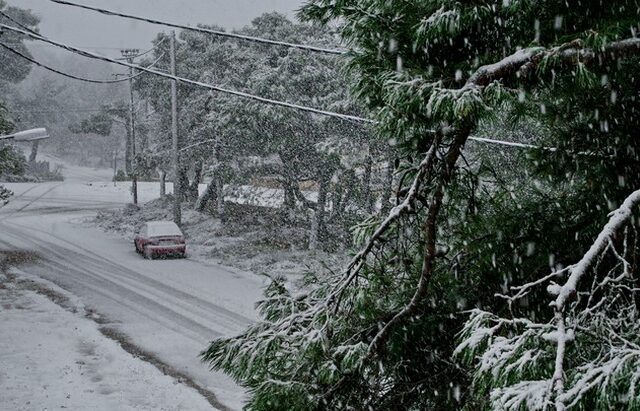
(91, 30)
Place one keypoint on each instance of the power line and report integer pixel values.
(84, 47)
(16, 22)
(246, 95)
(298, 107)
(207, 31)
(86, 110)
(71, 76)
(71, 110)
(509, 143)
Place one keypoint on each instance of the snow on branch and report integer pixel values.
(618, 219)
(568, 291)
(527, 60)
(588, 350)
(516, 354)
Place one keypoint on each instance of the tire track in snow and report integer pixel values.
(126, 291)
(105, 289)
(99, 262)
(126, 344)
(12, 212)
(172, 302)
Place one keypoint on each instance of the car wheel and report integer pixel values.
(148, 254)
(137, 249)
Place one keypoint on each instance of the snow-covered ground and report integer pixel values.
(169, 308)
(53, 358)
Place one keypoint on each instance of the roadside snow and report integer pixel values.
(52, 358)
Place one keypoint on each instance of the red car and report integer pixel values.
(160, 238)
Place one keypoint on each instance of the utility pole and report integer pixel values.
(129, 55)
(177, 188)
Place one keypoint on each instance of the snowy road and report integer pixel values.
(170, 308)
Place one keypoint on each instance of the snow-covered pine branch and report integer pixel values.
(587, 352)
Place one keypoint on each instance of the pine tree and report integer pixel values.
(12, 70)
(380, 334)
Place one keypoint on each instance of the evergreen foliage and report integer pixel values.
(12, 70)
(5, 124)
(12, 160)
(380, 335)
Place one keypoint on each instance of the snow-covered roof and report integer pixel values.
(158, 228)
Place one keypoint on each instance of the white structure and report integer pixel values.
(27, 135)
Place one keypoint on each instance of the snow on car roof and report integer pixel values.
(156, 228)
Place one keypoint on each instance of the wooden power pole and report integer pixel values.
(129, 54)
(177, 187)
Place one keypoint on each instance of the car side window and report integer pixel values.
(143, 231)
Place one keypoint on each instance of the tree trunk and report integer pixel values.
(183, 181)
(318, 216)
(313, 234)
(290, 185)
(289, 197)
(163, 182)
(115, 167)
(368, 197)
(210, 195)
(220, 194)
(34, 152)
(192, 192)
(214, 194)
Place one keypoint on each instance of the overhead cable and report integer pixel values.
(345, 117)
(63, 110)
(206, 31)
(72, 76)
(17, 23)
(82, 46)
(509, 143)
(265, 100)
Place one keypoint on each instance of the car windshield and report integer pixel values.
(158, 229)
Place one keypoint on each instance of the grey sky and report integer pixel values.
(92, 30)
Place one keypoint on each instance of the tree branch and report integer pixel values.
(618, 219)
(429, 252)
(570, 53)
(396, 212)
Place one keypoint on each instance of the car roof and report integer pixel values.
(163, 228)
